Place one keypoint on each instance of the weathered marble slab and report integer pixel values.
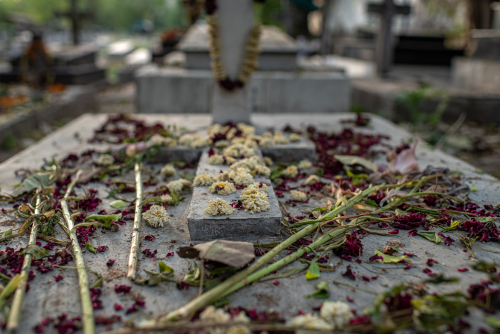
(240, 225)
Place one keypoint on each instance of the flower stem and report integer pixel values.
(134, 247)
(17, 302)
(241, 278)
(87, 309)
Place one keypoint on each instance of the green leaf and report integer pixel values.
(484, 267)
(98, 283)
(223, 301)
(431, 236)
(91, 247)
(350, 160)
(107, 219)
(118, 204)
(486, 219)
(193, 274)
(164, 267)
(472, 187)
(285, 273)
(323, 291)
(313, 272)
(9, 289)
(9, 232)
(493, 321)
(441, 279)
(212, 283)
(35, 251)
(32, 182)
(85, 225)
(453, 225)
(388, 258)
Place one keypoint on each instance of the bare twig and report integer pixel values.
(134, 246)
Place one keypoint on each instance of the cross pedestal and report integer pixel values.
(236, 21)
(384, 50)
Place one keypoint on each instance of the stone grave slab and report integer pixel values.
(49, 298)
(240, 225)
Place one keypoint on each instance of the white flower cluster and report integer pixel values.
(218, 159)
(159, 140)
(178, 185)
(242, 178)
(193, 141)
(222, 188)
(167, 170)
(254, 199)
(337, 313)
(312, 179)
(219, 206)
(224, 176)
(166, 199)
(290, 171)
(156, 216)
(298, 196)
(309, 321)
(219, 316)
(239, 150)
(204, 180)
(295, 137)
(304, 164)
(268, 161)
(262, 170)
(280, 139)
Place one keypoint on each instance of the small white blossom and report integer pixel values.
(169, 142)
(178, 185)
(247, 130)
(290, 171)
(268, 161)
(298, 195)
(105, 160)
(218, 316)
(254, 200)
(222, 188)
(309, 321)
(219, 206)
(221, 144)
(262, 170)
(313, 179)
(166, 199)
(203, 180)
(216, 159)
(266, 142)
(280, 139)
(156, 216)
(295, 137)
(243, 179)
(167, 170)
(304, 164)
(338, 313)
(224, 176)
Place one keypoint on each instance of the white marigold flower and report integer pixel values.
(230, 160)
(105, 160)
(309, 321)
(216, 159)
(166, 199)
(247, 130)
(240, 329)
(169, 142)
(268, 161)
(219, 206)
(313, 179)
(222, 188)
(218, 316)
(234, 150)
(247, 151)
(230, 133)
(238, 140)
(267, 135)
(266, 142)
(156, 216)
(224, 176)
(295, 137)
(290, 171)
(262, 170)
(280, 139)
(204, 180)
(186, 140)
(178, 185)
(167, 170)
(251, 143)
(221, 144)
(254, 200)
(243, 179)
(236, 169)
(336, 313)
(199, 142)
(298, 196)
(305, 164)
(215, 129)
(257, 186)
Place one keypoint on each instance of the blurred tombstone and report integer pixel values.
(384, 49)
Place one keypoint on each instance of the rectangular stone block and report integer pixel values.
(240, 225)
(292, 152)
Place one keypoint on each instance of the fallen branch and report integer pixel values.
(134, 246)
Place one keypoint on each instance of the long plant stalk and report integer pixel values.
(136, 232)
(87, 309)
(221, 289)
(17, 302)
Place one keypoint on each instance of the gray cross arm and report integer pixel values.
(382, 8)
